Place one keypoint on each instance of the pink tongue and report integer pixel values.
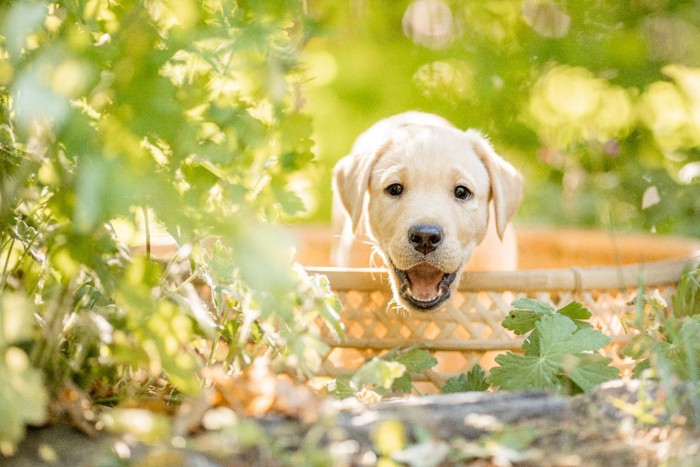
(425, 281)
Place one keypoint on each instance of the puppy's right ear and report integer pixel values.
(351, 182)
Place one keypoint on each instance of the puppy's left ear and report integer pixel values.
(351, 181)
(506, 181)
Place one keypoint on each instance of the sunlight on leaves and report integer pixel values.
(378, 372)
(672, 109)
(569, 104)
(22, 19)
(448, 80)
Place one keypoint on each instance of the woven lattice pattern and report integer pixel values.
(466, 332)
(602, 270)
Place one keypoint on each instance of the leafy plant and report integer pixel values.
(392, 373)
(121, 120)
(474, 380)
(558, 355)
(558, 351)
(590, 87)
(666, 346)
(686, 300)
(667, 341)
(23, 397)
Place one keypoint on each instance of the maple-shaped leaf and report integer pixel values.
(415, 360)
(561, 355)
(475, 380)
(525, 314)
(522, 372)
(591, 370)
(379, 373)
(577, 312)
(560, 335)
(403, 384)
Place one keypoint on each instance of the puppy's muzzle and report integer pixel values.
(425, 237)
(424, 286)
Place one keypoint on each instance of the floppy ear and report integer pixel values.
(351, 181)
(506, 181)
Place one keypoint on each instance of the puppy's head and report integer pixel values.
(424, 194)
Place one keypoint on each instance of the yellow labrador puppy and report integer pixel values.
(432, 199)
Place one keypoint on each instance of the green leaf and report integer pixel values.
(342, 387)
(378, 372)
(415, 360)
(403, 384)
(577, 312)
(521, 321)
(557, 358)
(518, 372)
(686, 300)
(456, 384)
(531, 304)
(640, 367)
(289, 201)
(590, 370)
(526, 313)
(559, 335)
(475, 380)
(199, 176)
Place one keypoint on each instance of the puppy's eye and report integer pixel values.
(462, 192)
(395, 189)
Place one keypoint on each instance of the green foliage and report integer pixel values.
(23, 397)
(125, 118)
(593, 100)
(559, 355)
(120, 119)
(558, 352)
(393, 373)
(668, 345)
(415, 361)
(474, 380)
(686, 301)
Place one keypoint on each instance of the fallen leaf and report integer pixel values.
(258, 391)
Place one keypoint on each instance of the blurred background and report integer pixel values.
(596, 102)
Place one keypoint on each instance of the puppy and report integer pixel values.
(431, 200)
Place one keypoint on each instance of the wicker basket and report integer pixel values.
(603, 271)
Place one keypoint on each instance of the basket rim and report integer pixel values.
(573, 279)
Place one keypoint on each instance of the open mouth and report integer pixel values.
(424, 286)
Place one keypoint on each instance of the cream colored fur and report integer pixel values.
(429, 157)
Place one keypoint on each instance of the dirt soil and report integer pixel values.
(618, 424)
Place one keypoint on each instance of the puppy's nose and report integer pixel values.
(425, 237)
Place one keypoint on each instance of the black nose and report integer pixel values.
(425, 237)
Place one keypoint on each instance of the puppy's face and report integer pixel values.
(424, 193)
(427, 211)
